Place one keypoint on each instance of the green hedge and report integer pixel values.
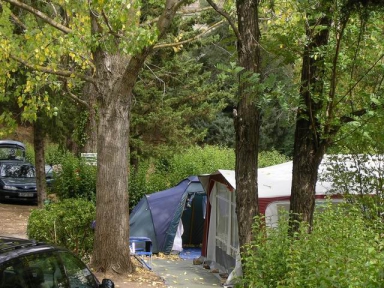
(66, 223)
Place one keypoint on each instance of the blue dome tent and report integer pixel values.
(157, 215)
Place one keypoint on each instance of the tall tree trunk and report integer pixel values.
(116, 77)
(112, 224)
(247, 121)
(38, 143)
(309, 147)
(114, 93)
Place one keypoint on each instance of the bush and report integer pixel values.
(75, 180)
(341, 251)
(66, 223)
(55, 155)
(270, 158)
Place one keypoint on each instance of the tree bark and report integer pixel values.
(309, 145)
(90, 146)
(38, 143)
(247, 121)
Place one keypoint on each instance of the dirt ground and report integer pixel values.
(14, 219)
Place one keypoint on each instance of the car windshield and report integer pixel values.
(17, 171)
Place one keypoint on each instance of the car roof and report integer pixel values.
(11, 143)
(11, 247)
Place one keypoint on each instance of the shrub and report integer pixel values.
(66, 223)
(341, 251)
(270, 158)
(29, 153)
(55, 155)
(75, 180)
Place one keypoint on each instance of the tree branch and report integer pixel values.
(114, 33)
(193, 11)
(181, 12)
(62, 73)
(18, 21)
(175, 44)
(73, 96)
(361, 78)
(223, 13)
(41, 15)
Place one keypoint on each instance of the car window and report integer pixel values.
(77, 272)
(43, 270)
(11, 275)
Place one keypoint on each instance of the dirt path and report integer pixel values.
(14, 219)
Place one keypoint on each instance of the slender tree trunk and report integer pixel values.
(38, 143)
(310, 146)
(247, 121)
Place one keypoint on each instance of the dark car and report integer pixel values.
(17, 176)
(17, 181)
(30, 264)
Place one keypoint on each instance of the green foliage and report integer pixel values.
(341, 251)
(173, 93)
(29, 153)
(270, 158)
(79, 132)
(220, 131)
(75, 179)
(55, 155)
(67, 223)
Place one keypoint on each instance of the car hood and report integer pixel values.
(19, 181)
